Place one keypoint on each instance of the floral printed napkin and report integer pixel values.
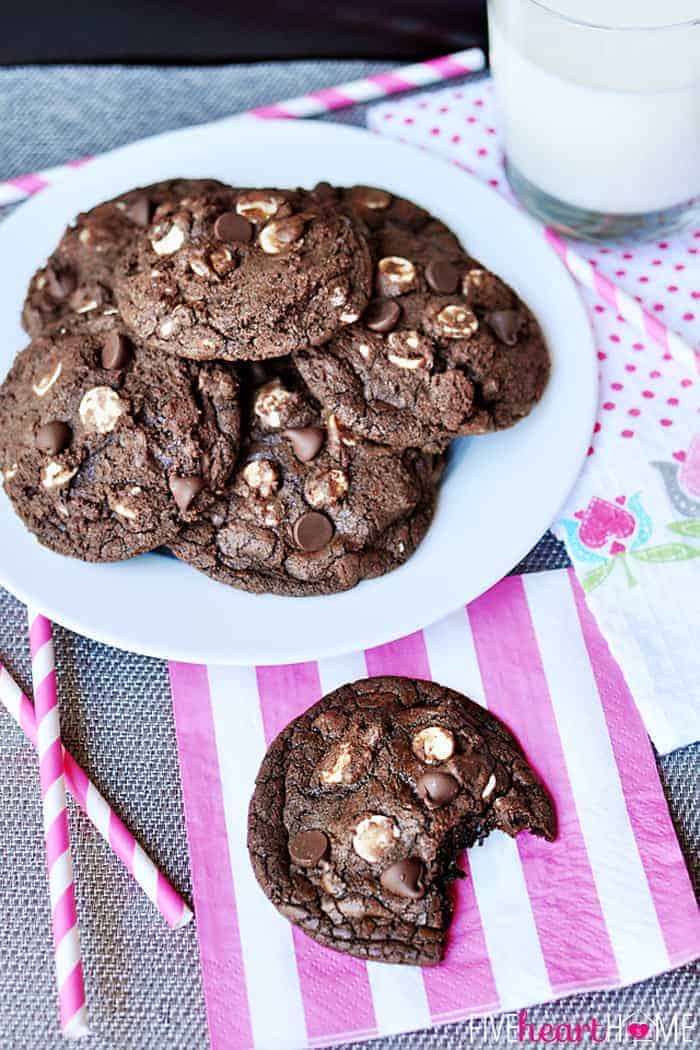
(632, 524)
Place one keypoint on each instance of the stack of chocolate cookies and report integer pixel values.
(263, 381)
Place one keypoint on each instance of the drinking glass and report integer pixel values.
(600, 105)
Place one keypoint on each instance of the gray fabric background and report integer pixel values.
(143, 980)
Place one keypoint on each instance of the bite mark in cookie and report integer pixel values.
(363, 804)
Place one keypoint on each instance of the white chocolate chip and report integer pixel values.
(327, 488)
(280, 236)
(338, 435)
(405, 362)
(374, 837)
(262, 477)
(171, 242)
(55, 475)
(407, 349)
(396, 275)
(473, 279)
(433, 744)
(167, 327)
(222, 260)
(100, 409)
(332, 883)
(258, 206)
(271, 513)
(364, 351)
(349, 317)
(490, 785)
(44, 384)
(124, 511)
(336, 766)
(269, 402)
(198, 266)
(457, 322)
(338, 296)
(91, 304)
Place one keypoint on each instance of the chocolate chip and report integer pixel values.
(258, 373)
(442, 276)
(308, 848)
(438, 788)
(61, 283)
(313, 531)
(306, 441)
(506, 324)
(184, 490)
(139, 211)
(381, 316)
(116, 351)
(53, 437)
(323, 191)
(405, 878)
(231, 228)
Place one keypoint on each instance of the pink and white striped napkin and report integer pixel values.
(632, 524)
(607, 904)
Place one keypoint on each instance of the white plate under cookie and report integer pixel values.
(500, 493)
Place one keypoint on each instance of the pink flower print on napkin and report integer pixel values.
(606, 533)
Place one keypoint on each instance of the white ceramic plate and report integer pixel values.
(500, 493)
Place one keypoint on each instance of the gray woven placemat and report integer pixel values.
(143, 980)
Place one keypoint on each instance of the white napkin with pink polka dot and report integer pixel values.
(632, 524)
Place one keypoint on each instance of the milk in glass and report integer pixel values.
(600, 100)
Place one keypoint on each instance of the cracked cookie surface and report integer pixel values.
(104, 453)
(445, 347)
(245, 274)
(312, 508)
(363, 804)
(78, 278)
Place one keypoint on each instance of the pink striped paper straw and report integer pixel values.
(327, 100)
(66, 938)
(113, 830)
(380, 85)
(625, 304)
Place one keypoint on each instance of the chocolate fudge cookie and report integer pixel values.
(444, 348)
(363, 804)
(78, 278)
(312, 508)
(247, 274)
(104, 453)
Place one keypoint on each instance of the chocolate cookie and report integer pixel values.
(363, 804)
(78, 278)
(444, 348)
(312, 509)
(247, 274)
(105, 453)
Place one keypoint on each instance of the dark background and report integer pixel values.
(210, 31)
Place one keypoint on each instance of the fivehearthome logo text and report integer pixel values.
(654, 1028)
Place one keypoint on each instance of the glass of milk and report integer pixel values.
(600, 105)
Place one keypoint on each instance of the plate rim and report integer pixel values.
(409, 622)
